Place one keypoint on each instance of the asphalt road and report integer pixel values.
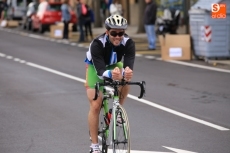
(43, 106)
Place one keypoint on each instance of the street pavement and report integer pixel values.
(141, 42)
(43, 106)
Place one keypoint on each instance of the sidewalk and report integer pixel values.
(139, 39)
(141, 42)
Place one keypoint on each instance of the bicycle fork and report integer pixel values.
(112, 125)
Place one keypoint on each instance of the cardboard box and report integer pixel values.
(9, 23)
(62, 24)
(56, 31)
(175, 47)
(12, 23)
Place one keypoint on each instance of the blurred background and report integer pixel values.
(132, 10)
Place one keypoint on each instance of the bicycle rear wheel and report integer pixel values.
(121, 132)
(102, 131)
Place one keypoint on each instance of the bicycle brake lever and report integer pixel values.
(142, 86)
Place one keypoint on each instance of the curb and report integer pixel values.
(156, 55)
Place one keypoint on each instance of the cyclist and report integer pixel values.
(103, 59)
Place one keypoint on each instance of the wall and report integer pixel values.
(134, 14)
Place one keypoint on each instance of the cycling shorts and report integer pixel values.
(91, 75)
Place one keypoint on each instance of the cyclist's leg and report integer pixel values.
(93, 116)
(124, 90)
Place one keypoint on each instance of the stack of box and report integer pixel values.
(175, 47)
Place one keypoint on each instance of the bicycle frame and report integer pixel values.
(109, 133)
(113, 120)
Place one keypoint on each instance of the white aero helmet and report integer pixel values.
(116, 22)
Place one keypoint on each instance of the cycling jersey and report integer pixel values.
(102, 53)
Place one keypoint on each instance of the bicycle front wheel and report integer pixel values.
(102, 132)
(121, 132)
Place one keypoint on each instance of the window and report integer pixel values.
(54, 7)
(169, 4)
(20, 3)
(192, 2)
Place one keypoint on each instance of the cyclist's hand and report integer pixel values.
(128, 74)
(116, 74)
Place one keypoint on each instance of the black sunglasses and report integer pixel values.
(114, 33)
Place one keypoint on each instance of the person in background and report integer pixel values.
(43, 5)
(103, 9)
(116, 8)
(88, 21)
(3, 10)
(66, 16)
(108, 3)
(81, 20)
(149, 22)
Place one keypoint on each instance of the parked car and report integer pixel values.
(50, 17)
(17, 8)
(31, 10)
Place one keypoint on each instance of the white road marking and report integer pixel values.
(80, 45)
(23, 34)
(199, 66)
(65, 42)
(56, 72)
(139, 55)
(137, 99)
(52, 39)
(58, 41)
(143, 100)
(73, 44)
(178, 113)
(35, 36)
(2, 55)
(134, 98)
(150, 57)
(16, 59)
(22, 61)
(9, 57)
(190, 64)
(138, 151)
(159, 58)
(178, 150)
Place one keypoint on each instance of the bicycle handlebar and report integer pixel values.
(112, 83)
